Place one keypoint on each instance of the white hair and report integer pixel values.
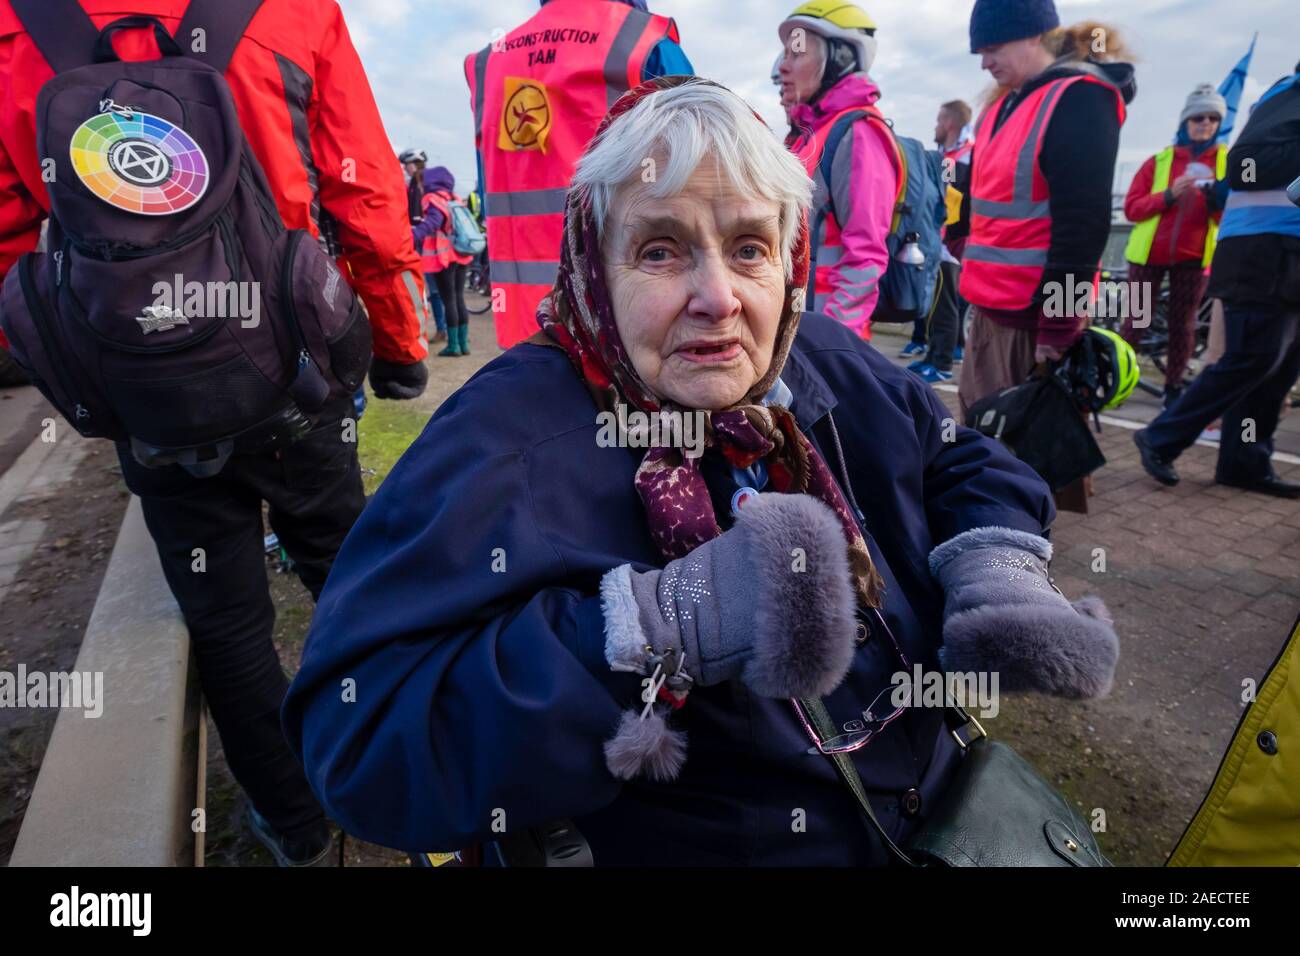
(676, 129)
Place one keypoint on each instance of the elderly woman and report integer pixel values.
(659, 645)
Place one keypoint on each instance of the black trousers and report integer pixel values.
(1246, 387)
(451, 287)
(314, 492)
(946, 331)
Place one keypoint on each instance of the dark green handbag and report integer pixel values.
(998, 810)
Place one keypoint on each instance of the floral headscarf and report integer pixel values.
(578, 316)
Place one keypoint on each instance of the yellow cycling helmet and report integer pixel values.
(841, 21)
(1102, 370)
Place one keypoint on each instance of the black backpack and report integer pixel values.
(172, 308)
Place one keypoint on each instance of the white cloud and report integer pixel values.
(414, 54)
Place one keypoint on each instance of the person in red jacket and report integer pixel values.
(306, 108)
(1174, 204)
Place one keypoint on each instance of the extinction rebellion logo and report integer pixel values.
(526, 115)
(139, 163)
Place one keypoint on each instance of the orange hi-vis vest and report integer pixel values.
(437, 252)
(829, 246)
(1011, 217)
(538, 95)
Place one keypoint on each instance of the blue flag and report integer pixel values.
(1230, 89)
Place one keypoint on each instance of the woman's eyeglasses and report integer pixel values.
(1203, 119)
(876, 716)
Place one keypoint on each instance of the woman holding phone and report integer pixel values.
(1176, 208)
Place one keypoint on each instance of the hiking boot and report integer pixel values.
(1156, 466)
(310, 849)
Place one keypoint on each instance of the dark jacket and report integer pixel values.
(1078, 161)
(464, 605)
(1262, 272)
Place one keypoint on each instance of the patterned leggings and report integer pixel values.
(1187, 281)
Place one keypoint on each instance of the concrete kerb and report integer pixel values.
(122, 789)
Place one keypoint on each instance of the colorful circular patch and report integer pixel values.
(140, 163)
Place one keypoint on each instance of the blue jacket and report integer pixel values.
(464, 607)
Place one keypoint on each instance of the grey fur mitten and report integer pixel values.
(768, 603)
(1003, 614)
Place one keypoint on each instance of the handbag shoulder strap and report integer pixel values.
(849, 774)
(955, 717)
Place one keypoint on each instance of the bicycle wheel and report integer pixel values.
(476, 283)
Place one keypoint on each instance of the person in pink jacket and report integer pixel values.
(829, 49)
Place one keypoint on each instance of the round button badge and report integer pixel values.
(140, 163)
(739, 499)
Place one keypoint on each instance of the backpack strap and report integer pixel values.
(61, 30)
(223, 22)
(68, 38)
(837, 134)
(833, 140)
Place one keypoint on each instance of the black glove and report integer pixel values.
(390, 380)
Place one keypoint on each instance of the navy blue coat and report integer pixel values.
(464, 606)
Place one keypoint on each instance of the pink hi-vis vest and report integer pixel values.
(1011, 218)
(829, 245)
(538, 96)
(437, 252)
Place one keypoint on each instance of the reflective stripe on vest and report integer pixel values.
(828, 248)
(437, 251)
(538, 95)
(1143, 236)
(1011, 217)
(1267, 211)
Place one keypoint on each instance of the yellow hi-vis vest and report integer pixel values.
(1144, 234)
(1251, 816)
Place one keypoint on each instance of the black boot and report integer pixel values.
(1157, 467)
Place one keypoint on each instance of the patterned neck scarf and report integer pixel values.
(578, 317)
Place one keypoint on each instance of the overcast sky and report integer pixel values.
(413, 51)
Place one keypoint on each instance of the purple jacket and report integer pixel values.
(437, 179)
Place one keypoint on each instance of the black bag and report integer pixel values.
(998, 810)
(173, 309)
(1042, 426)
